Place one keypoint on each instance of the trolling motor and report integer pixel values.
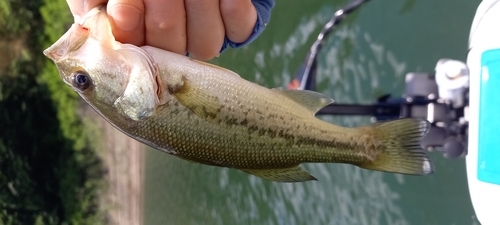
(441, 97)
(445, 103)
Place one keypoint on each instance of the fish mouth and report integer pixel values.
(59, 49)
(93, 13)
(71, 41)
(78, 34)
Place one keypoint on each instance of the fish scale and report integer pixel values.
(219, 148)
(210, 115)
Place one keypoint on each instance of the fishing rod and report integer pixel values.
(305, 78)
(441, 97)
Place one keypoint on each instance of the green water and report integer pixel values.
(367, 56)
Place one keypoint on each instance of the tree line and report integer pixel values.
(49, 173)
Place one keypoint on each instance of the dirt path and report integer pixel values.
(11, 49)
(124, 158)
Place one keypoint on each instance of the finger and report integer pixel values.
(165, 22)
(239, 19)
(205, 29)
(127, 20)
(81, 7)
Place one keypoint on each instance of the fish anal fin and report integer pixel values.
(312, 100)
(292, 174)
(198, 100)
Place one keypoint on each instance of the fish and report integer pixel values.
(207, 114)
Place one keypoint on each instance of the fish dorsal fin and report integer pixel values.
(292, 174)
(312, 100)
(216, 67)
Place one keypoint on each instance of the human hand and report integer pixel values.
(194, 26)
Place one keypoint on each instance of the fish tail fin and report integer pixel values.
(401, 152)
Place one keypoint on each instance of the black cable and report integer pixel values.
(337, 17)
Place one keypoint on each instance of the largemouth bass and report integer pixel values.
(210, 115)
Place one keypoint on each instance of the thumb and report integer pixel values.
(127, 20)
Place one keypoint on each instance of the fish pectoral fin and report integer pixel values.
(198, 100)
(312, 100)
(292, 174)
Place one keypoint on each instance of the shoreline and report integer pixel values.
(122, 199)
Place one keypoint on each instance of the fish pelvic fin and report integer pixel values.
(402, 153)
(292, 174)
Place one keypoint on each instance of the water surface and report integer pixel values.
(367, 56)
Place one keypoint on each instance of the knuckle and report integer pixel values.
(204, 54)
(161, 25)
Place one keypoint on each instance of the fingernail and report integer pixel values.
(125, 17)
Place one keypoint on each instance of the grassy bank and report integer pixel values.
(50, 172)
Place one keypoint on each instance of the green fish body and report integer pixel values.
(210, 115)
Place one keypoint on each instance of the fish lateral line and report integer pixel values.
(208, 115)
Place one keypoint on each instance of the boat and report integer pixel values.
(483, 158)
(459, 99)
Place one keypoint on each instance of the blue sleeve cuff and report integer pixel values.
(263, 8)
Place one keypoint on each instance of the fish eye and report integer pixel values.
(81, 80)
